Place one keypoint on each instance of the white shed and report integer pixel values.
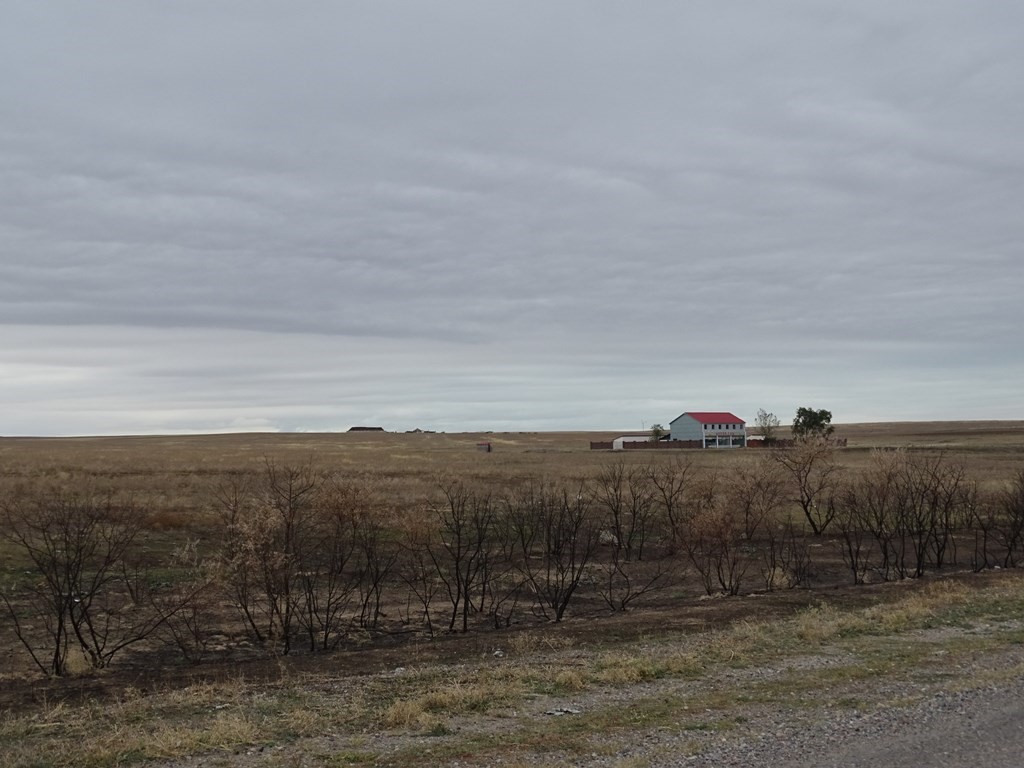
(618, 442)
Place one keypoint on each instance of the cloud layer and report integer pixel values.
(221, 216)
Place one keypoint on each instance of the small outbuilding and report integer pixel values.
(619, 443)
(712, 429)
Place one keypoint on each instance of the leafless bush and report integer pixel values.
(81, 594)
(189, 604)
(676, 493)
(912, 507)
(553, 538)
(417, 571)
(944, 499)
(626, 498)
(786, 558)
(464, 550)
(985, 523)
(716, 545)
(851, 517)
(812, 471)
(620, 582)
(304, 555)
(328, 565)
(1012, 528)
(999, 527)
(757, 493)
(641, 509)
(268, 530)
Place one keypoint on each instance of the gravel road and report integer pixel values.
(982, 728)
(968, 711)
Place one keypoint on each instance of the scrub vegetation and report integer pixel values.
(415, 586)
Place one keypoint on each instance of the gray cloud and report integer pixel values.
(236, 215)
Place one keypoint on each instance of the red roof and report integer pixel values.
(713, 417)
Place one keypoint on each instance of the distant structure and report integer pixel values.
(619, 443)
(366, 429)
(712, 429)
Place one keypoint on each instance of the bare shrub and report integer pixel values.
(416, 569)
(268, 532)
(675, 484)
(463, 551)
(856, 543)
(304, 555)
(716, 545)
(620, 582)
(998, 521)
(757, 493)
(553, 538)
(329, 571)
(82, 592)
(912, 506)
(786, 558)
(190, 603)
(812, 471)
(378, 556)
(1011, 527)
(626, 498)
(985, 522)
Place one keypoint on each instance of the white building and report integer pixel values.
(713, 429)
(618, 442)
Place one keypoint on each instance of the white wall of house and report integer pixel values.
(713, 434)
(686, 427)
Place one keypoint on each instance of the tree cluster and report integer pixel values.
(305, 559)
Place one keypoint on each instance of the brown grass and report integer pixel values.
(172, 479)
(172, 476)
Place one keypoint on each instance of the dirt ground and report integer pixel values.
(163, 668)
(961, 704)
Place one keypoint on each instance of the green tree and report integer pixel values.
(812, 423)
(657, 432)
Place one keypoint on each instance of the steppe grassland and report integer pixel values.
(173, 476)
(173, 479)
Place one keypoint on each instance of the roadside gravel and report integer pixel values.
(959, 723)
(981, 728)
(968, 712)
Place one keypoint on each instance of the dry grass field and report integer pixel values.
(392, 694)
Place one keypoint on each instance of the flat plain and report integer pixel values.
(681, 672)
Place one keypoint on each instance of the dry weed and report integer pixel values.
(623, 668)
(824, 623)
(480, 695)
(570, 680)
(533, 642)
(919, 608)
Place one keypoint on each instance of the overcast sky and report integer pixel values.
(247, 215)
